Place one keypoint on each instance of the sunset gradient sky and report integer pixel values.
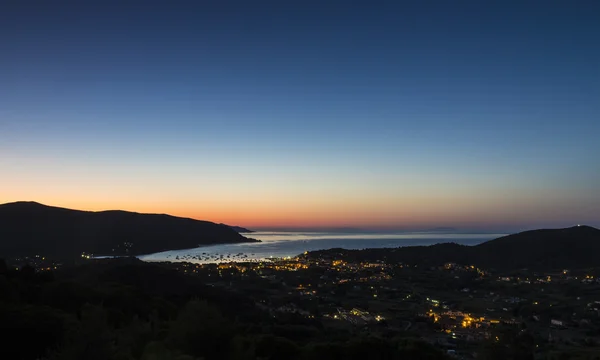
(387, 115)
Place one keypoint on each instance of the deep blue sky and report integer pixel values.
(312, 113)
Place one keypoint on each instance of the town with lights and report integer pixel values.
(483, 304)
(454, 307)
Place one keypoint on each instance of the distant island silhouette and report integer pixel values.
(441, 229)
(32, 228)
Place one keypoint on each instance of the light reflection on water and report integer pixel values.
(282, 244)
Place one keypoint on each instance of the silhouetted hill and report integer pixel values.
(240, 229)
(548, 248)
(28, 227)
(575, 247)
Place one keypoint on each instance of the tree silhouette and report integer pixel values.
(201, 330)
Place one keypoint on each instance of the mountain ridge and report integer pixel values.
(28, 227)
(239, 229)
(543, 249)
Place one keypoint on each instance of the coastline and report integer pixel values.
(284, 245)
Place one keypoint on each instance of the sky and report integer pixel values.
(306, 114)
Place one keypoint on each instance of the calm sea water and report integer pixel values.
(284, 244)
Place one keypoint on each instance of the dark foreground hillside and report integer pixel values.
(28, 228)
(128, 310)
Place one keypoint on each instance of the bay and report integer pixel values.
(290, 244)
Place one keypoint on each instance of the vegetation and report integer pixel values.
(305, 308)
(574, 247)
(125, 309)
(32, 228)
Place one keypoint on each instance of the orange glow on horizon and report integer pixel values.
(413, 213)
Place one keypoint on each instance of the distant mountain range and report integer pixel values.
(441, 229)
(575, 247)
(28, 228)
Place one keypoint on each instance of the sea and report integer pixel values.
(289, 244)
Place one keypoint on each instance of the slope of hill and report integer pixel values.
(575, 247)
(28, 228)
(240, 229)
